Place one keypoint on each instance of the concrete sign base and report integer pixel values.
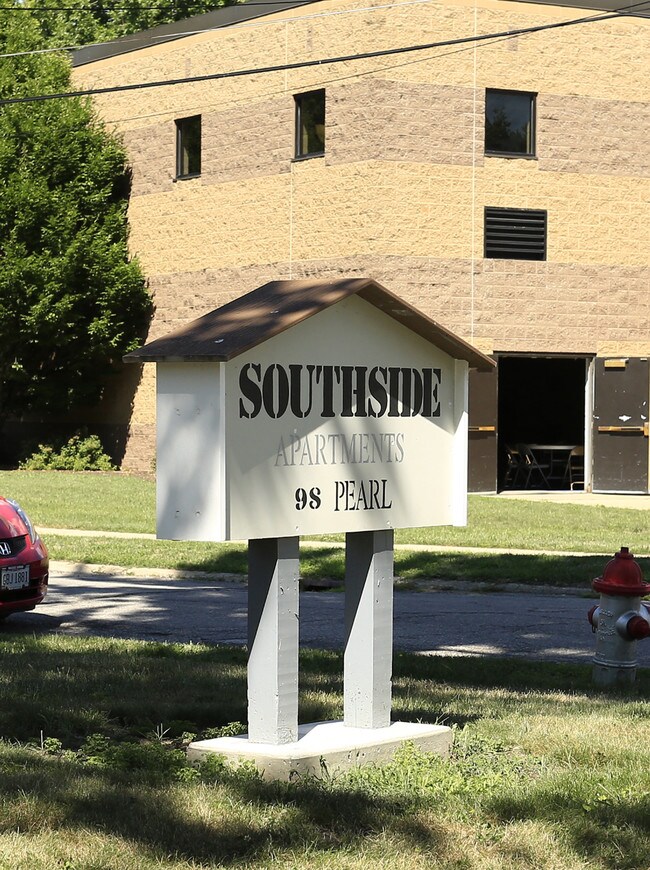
(325, 748)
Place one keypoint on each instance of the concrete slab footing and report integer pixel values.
(325, 748)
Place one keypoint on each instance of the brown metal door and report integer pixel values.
(482, 431)
(621, 393)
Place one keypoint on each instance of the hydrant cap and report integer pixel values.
(638, 628)
(622, 576)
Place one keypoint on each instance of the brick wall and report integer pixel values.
(400, 192)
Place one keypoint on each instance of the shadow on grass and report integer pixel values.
(611, 829)
(541, 570)
(402, 712)
(516, 675)
(315, 562)
(558, 571)
(417, 675)
(155, 814)
(70, 687)
(511, 673)
(221, 561)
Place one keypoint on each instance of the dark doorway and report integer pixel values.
(541, 402)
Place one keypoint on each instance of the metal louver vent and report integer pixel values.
(515, 233)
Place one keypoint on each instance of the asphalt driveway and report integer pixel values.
(533, 625)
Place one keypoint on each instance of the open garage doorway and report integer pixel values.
(541, 422)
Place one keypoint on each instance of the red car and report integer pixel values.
(24, 562)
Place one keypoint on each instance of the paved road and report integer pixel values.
(551, 627)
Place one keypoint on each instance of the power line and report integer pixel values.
(328, 81)
(255, 22)
(252, 22)
(340, 78)
(621, 12)
(309, 63)
(109, 7)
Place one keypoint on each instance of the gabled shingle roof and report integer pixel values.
(251, 319)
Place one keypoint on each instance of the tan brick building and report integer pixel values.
(500, 184)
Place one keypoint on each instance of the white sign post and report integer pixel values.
(312, 407)
(368, 658)
(273, 640)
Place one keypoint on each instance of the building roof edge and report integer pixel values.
(225, 16)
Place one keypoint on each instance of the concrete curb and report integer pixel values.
(90, 533)
(83, 569)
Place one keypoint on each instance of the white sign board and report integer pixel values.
(348, 421)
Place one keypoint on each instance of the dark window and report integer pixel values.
(188, 147)
(310, 124)
(515, 233)
(509, 123)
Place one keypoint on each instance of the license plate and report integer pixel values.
(15, 577)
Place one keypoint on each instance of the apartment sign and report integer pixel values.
(332, 464)
(345, 422)
(306, 407)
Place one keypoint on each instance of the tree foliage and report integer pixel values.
(71, 301)
(79, 22)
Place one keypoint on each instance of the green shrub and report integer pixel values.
(78, 454)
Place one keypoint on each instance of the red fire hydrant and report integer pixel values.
(619, 620)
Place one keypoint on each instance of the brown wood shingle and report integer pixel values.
(269, 310)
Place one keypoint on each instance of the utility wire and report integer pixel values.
(622, 12)
(313, 63)
(255, 22)
(335, 79)
(110, 7)
(252, 22)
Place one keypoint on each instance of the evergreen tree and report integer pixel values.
(71, 301)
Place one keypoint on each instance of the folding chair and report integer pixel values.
(575, 467)
(532, 468)
(513, 468)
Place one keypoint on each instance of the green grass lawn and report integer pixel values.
(126, 503)
(120, 502)
(84, 500)
(546, 772)
(412, 568)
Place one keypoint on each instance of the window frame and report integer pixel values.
(298, 153)
(531, 153)
(181, 136)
